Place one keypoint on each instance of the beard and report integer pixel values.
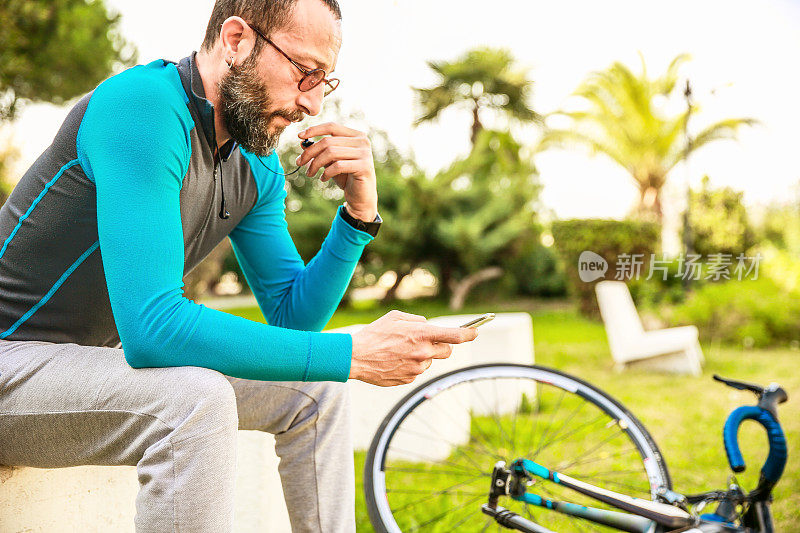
(245, 104)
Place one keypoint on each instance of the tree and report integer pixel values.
(465, 223)
(54, 50)
(484, 214)
(621, 119)
(719, 221)
(480, 79)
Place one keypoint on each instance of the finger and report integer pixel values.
(449, 335)
(341, 180)
(334, 153)
(442, 350)
(400, 315)
(315, 149)
(341, 168)
(329, 128)
(422, 366)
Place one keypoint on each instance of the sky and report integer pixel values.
(745, 63)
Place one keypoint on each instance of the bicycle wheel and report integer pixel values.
(429, 465)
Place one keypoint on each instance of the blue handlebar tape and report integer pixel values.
(776, 460)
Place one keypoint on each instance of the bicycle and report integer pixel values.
(445, 446)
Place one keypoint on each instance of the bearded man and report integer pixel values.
(104, 361)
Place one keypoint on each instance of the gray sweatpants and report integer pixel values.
(67, 405)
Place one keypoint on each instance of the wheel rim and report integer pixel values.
(432, 463)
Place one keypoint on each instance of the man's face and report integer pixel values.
(248, 110)
(259, 96)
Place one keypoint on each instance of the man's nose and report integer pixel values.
(311, 100)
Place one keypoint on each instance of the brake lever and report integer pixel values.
(741, 385)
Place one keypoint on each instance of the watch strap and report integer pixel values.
(368, 227)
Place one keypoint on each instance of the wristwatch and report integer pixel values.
(369, 227)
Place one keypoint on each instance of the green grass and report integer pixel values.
(684, 414)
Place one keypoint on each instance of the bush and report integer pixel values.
(780, 227)
(755, 313)
(607, 238)
(536, 272)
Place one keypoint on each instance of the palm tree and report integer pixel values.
(481, 78)
(621, 120)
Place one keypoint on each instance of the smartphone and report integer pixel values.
(481, 320)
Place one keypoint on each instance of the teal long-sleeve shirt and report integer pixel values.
(142, 142)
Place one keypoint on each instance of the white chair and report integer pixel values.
(674, 350)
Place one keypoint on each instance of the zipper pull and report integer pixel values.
(223, 213)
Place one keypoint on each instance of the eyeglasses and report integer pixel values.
(311, 77)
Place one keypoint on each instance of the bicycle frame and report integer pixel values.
(645, 516)
(642, 516)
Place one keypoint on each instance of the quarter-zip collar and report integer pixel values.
(193, 85)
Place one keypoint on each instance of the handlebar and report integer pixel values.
(766, 414)
(776, 460)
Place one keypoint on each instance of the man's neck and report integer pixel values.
(210, 73)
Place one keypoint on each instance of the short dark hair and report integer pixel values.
(267, 15)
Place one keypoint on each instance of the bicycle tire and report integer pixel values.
(384, 504)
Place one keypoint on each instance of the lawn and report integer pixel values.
(684, 414)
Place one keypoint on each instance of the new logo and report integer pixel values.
(591, 266)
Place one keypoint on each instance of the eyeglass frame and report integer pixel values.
(333, 83)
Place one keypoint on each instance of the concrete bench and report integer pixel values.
(91, 499)
(100, 499)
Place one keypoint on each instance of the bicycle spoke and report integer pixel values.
(440, 516)
(493, 414)
(427, 471)
(514, 428)
(569, 434)
(563, 468)
(434, 460)
(434, 494)
(499, 417)
(550, 423)
(470, 514)
(598, 445)
(539, 404)
(449, 492)
(457, 447)
(542, 443)
(485, 443)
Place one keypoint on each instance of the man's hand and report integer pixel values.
(399, 346)
(346, 156)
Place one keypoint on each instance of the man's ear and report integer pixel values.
(236, 38)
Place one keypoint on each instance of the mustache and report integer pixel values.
(292, 116)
